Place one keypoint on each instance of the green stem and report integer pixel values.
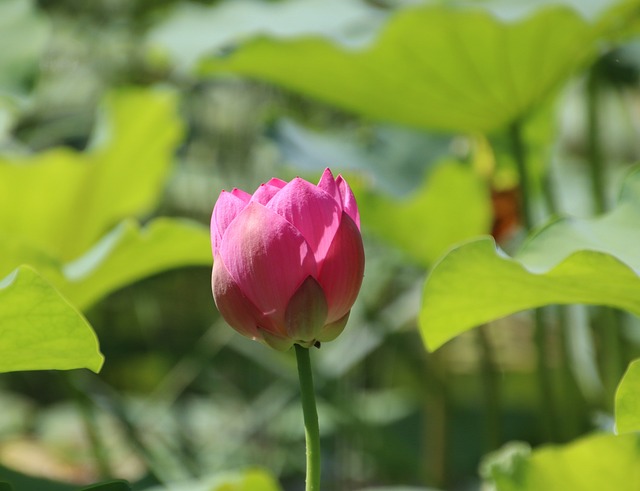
(596, 165)
(491, 389)
(574, 402)
(545, 378)
(519, 154)
(609, 325)
(310, 413)
(88, 414)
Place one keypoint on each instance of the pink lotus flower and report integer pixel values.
(288, 260)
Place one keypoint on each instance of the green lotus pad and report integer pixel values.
(62, 201)
(452, 205)
(592, 463)
(628, 400)
(570, 261)
(433, 66)
(40, 329)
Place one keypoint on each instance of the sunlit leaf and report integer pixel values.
(24, 33)
(40, 329)
(628, 400)
(592, 463)
(128, 254)
(583, 261)
(452, 205)
(431, 67)
(251, 480)
(61, 201)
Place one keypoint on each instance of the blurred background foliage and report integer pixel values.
(121, 121)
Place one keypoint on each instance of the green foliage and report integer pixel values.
(129, 253)
(250, 480)
(55, 205)
(451, 206)
(62, 201)
(399, 488)
(17, 481)
(39, 329)
(456, 69)
(592, 463)
(590, 261)
(5, 486)
(84, 221)
(109, 486)
(628, 400)
(25, 33)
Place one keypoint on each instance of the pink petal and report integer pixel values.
(243, 195)
(343, 269)
(268, 190)
(310, 210)
(349, 204)
(239, 312)
(277, 183)
(328, 184)
(225, 210)
(268, 258)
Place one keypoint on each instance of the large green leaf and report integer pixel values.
(129, 253)
(592, 463)
(62, 201)
(583, 261)
(452, 205)
(40, 329)
(123, 256)
(628, 400)
(459, 69)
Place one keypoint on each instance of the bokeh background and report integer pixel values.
(425, 108)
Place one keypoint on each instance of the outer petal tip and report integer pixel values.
(348, 200)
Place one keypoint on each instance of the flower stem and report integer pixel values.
(310, 413)
(545, 378)
(595, 158)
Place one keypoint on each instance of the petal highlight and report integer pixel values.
(228, 206)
